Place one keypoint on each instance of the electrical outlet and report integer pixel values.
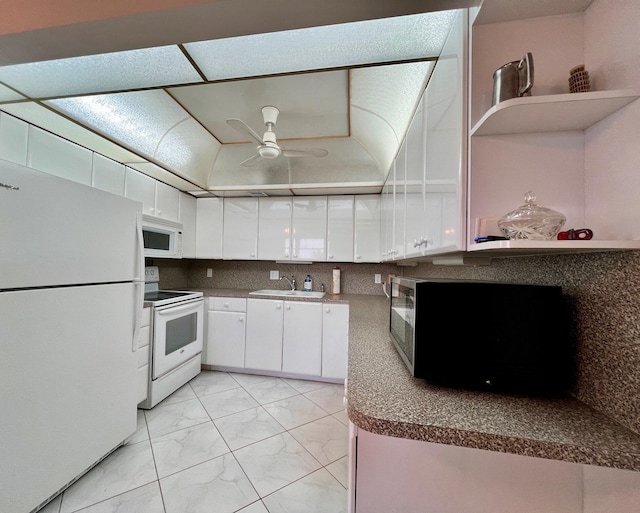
(209, 273)
(377, 278)
(274, 275)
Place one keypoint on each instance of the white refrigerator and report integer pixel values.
(71, 291)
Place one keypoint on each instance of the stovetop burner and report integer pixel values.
(159, 295)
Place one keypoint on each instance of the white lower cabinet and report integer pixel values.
(335, 340)
(302, 338)
(297, 337)
(225, 341)
(264, 334)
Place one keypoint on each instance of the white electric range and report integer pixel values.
(177, 323)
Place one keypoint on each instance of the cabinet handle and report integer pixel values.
(330, 257)
(159, 212)
(295, 255)
(152, 210)
(358, 257)
(288, 307)
(241, 319)
(278, 307)
(327, 310)
(226, 305)
(252, 255)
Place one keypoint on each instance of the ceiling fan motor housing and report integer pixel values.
(269, 150)
(270, 115)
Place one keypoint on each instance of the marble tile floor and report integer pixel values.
(225, 443)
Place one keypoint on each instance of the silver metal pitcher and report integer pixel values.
(513, 79)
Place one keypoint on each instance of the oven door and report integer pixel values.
(177, 335)
(402, 320)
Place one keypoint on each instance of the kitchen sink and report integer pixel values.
(287, 293)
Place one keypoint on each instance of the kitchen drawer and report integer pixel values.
(228, 304)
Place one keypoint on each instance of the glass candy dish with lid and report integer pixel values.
(531, 221)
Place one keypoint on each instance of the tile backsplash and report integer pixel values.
(604, 289)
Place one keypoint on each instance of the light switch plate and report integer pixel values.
(209, 273)
(274, 275)
(378, 278)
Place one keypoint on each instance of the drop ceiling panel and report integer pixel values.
(350, 44)
(134, 69)
(8, 95)
(311, 105)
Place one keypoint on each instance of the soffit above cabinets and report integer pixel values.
(165, 108)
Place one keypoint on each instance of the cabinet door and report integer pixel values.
(225, 339)
(263, 348)
(108, 175)
(187, 216)
(445, 124)
(335, 341)
(399, 202)
(274, 234)
(386, 217)
(209, 228)
(240, 232)
(310, 229)
(415, 198)
(54, 155)
(14, 135)
(142, 188)
(366, 228)
(302, 338)
(340, 229)
(167, 202)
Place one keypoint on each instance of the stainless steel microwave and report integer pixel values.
(161, 238)
(482, 335)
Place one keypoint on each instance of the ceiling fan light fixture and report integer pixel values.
(268, 152)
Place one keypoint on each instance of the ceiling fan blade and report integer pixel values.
(243, 128)
(251, 161)
(304, 152)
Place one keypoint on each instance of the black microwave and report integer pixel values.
(503, 337)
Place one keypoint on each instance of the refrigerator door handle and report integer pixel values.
(138, 281)
(138, 291)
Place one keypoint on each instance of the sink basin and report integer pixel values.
(287, 293)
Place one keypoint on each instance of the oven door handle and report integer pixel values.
(176, 309)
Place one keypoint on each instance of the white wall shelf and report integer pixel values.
(535, 247)
(551, 113)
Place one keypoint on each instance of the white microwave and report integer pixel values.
(162, 238)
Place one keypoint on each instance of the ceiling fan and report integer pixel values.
(268, 147)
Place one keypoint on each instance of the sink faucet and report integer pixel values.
(292, 281)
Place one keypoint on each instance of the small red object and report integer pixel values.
(581, 234)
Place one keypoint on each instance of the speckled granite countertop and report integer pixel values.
(383, 398)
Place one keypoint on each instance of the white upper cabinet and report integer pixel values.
(415, 220)
(14, 134)
(399, 202)
(158, 199)
(108, 175)
(209, 215)
(340, 228)
(187, 216)
(52, 154)
(446, 145)
(387, 211)
(575, 151)
(142, 188)
(167, 202)
(240, 232)
(366, 228)
(309, 229)
(274, 235)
